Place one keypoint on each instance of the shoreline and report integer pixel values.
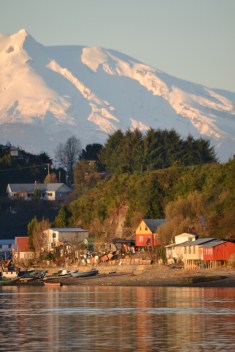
(148, 276)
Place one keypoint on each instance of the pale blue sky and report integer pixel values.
(189, 39)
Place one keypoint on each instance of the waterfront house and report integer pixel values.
(22, 250)
(191, 250)
(174, 251)
(56, 237)
(146, 233)
(43, 191)
(217, 250)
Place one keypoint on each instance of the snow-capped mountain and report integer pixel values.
(48, 94)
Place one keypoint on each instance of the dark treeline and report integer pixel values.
(133, 151)
(22, 167)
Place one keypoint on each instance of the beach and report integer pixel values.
(146, 275)
(156, 276)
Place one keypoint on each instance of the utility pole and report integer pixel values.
(48, 169)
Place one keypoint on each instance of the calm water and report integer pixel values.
(117, 319)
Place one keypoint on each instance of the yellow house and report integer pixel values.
(146, 233)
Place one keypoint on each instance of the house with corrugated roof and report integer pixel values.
(68, 236)
(191, 249)
(146, 233)
(217, 250)
(174, 251)
(43, 191)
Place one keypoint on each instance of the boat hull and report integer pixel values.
(52, 284)
(84, 273)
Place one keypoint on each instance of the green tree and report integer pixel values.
(31, 228)
(63, 217)
(132, 153)
(37, 238)
(111, 154)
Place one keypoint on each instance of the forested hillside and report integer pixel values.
(199, 198)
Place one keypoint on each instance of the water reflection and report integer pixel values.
(115, 318)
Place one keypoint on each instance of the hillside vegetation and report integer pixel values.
(199, 198)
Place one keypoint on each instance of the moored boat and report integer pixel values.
(52, 284)
(84, 273)
(62, 273)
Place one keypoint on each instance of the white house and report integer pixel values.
(174, 250)
(183, 237)
(45, 191)
(186, 251)
(64, 236)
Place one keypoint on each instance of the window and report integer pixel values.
(54, 235)
(141, 238)
(146, 229)
(148, 241)
(27, 255)
(49, 194)
(140, 228)
(189, 250)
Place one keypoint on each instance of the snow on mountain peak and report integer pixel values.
(94, 57)
(49, 93)
(18, 39)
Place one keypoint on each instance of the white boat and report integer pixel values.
(61, 273)
(64, 272)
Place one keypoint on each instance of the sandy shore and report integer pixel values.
(159, 276)
(152, 276)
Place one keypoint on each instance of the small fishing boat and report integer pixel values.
(32, 274)
(52, 284)
(84, 273)
(64, 273)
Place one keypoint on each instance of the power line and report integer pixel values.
(25, 167)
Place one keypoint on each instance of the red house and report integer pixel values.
(217, 250)
(146, 233)
(22, 249)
